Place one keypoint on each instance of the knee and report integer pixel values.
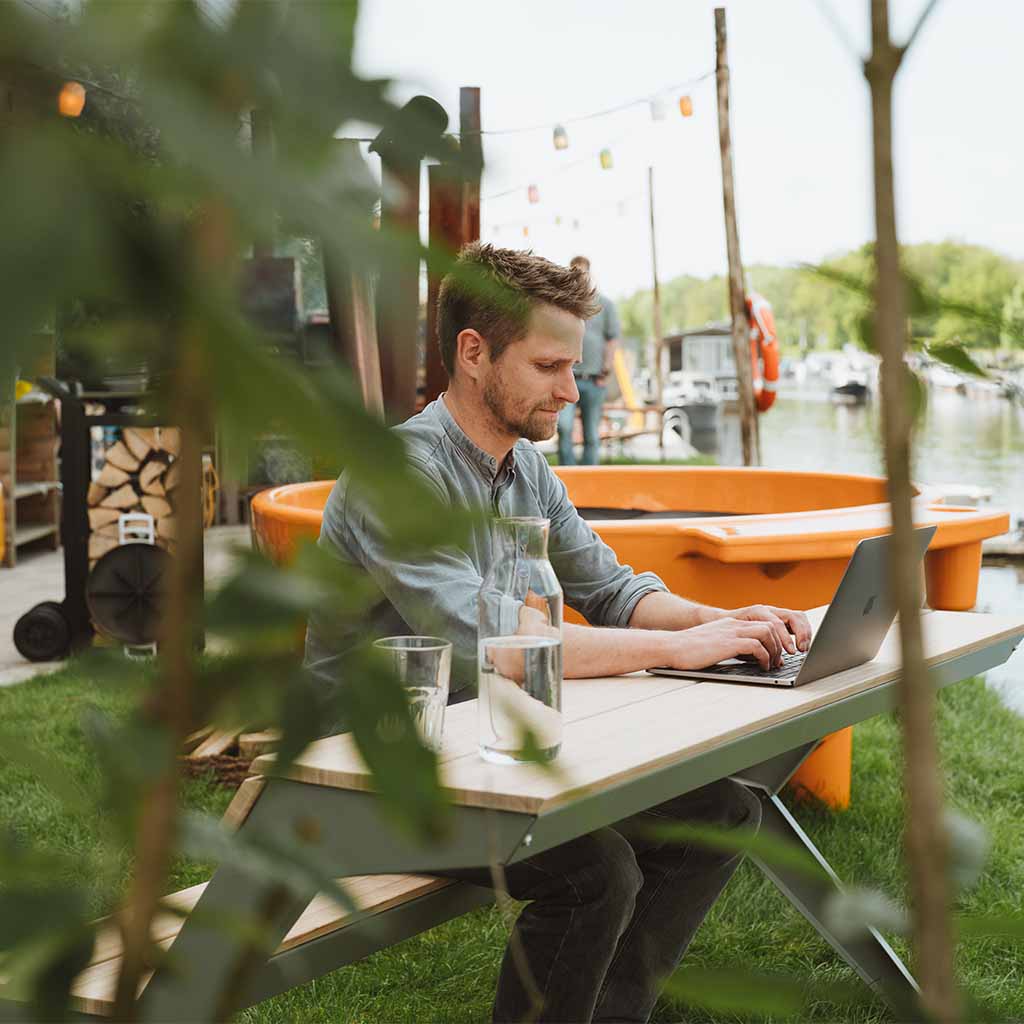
(610, 874)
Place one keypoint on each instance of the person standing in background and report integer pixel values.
(600, 335)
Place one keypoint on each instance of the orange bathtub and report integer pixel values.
(741, 536)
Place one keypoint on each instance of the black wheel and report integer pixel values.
(43, 633)
(125, 592)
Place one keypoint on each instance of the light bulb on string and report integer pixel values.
(686, 106)
(560, 137)
(622, 209)
(71, 99)
(659, 108)
(526, 231)
(533, 194)
(606, 160)
(558, 220)
(575, 225)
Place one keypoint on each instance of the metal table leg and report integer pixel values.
(348, 834)
(868, 954)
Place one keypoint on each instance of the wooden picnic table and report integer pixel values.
(630, 742)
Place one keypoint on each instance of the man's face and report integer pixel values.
(532, 379)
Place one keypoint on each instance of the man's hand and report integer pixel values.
(707, 644)
(791, 628)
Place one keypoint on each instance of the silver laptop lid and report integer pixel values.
(861, 611)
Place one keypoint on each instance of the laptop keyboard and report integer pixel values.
(790, 666)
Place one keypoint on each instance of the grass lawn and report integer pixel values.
(449, 974)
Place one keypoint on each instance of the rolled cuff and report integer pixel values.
(620, 610)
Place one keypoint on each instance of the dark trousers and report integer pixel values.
(590, 403)
(612, 912)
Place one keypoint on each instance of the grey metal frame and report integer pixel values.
(351, 836)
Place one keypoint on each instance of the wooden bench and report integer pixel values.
(93, 990)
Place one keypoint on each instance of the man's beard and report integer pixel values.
(531, 426)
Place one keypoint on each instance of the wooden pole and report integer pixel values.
(445, 201)
(399, 283)
(925, 836)
(262, 141)
(737, 301)
(473, 161)
(350, 301)
(659, 333)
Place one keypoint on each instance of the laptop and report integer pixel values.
(851, 633)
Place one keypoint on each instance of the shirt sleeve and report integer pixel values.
(612, 327)
(435, 593)
(594, 582)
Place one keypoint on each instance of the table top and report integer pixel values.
(621, 727)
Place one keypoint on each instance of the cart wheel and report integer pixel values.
(125, 592)
(43, 633)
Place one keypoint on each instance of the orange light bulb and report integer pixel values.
(71, 99)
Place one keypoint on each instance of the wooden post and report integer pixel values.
(262, 140)
(399, 283)
(737, 300)
(350, 302)
(473, 161)
(658, 328)
(445, 202)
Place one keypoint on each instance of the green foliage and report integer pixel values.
(969, 295)
(141, 213)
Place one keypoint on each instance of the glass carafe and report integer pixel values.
(520, 647)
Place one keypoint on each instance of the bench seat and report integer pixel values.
(93, 990)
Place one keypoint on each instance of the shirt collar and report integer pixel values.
(487, 464)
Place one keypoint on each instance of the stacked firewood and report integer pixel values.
(140, 473)
(225, 754)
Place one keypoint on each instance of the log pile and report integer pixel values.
(226, 754)
(140, 473)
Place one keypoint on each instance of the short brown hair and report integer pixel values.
(580, 262)
(493, 291)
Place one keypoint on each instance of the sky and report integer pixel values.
(800, 122)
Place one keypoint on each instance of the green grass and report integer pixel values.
(449, 973)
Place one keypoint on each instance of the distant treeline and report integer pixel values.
(822, 314)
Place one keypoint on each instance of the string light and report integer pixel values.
(605, 157)
(686, 106)
(526, 231)
(533, 194)
(71, 100)
(561, 137)
(659, 108)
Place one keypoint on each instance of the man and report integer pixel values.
(599, 337)
(612, 912)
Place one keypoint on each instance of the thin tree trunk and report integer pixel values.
(658, 328)
(925, 837)
(171, 705)
(737, 302)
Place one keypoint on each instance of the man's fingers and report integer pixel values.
(798, 624)
(765, 634)
(782, 632)
(752, 646)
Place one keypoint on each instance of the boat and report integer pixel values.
(698, 397)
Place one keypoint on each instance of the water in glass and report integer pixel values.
(520, 647)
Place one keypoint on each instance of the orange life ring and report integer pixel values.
(764, 350)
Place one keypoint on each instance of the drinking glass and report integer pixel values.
(423, 665)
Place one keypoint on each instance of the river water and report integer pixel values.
(960, 440)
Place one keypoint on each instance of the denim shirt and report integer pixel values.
(436, 593)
